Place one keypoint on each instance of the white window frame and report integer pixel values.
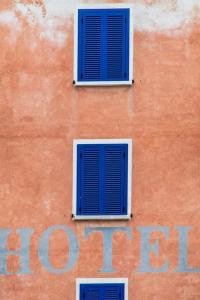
(101, 281)
(103, 83)
(77, 142)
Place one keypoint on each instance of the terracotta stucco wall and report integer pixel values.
(41, 112)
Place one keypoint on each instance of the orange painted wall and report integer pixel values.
(41, 112)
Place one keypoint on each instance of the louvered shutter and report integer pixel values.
(115, 179)
(102, 179)
(113, 292)
(89, 61)
(103, 45)
(88, 180)
(117, 45)
(102, 291)
(90, 292)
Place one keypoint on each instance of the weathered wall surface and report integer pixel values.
(41, 112)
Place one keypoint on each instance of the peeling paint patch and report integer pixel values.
(50, 24)
(161, 17)
(9, 18)
(33, 13)
(54, 36)
(53, 17)
(61, 8)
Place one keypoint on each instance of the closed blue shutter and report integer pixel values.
(113, 292)
(102, 291)
(115, 179)
(102, 179)
(117, 46)
(103, 44)
(88, 180)
(90, 292)
(90, 47)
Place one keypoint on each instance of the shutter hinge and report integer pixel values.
(82, 20)
(80, 209)
(124, 154)
(125, 74)
(81, 75)
(83, 295)
(120, 295)
(125, 20)
(123, 208)
(81, 155)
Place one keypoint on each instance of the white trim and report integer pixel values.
(102, 217)
(131, 34)
(76, 46)
(129, 188)
(102, 83)
(101, 281)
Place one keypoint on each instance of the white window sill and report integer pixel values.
(103, 83)
(103, 217)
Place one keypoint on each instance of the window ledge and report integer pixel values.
(103, 217)
(102, 83)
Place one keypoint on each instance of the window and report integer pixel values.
(103, 46)
(102, 179)
(104, 288)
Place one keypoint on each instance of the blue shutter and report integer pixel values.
(102, 179)
(102, 291)
(103, 44)
(113, 292)
(89, 61)
(88, 180)
(90, 292)
(117, 46)
(115, 179)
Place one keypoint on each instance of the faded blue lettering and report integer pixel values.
(147, 248)
(23, 252)
(43, 250)
(183, 251)
(107, 244)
